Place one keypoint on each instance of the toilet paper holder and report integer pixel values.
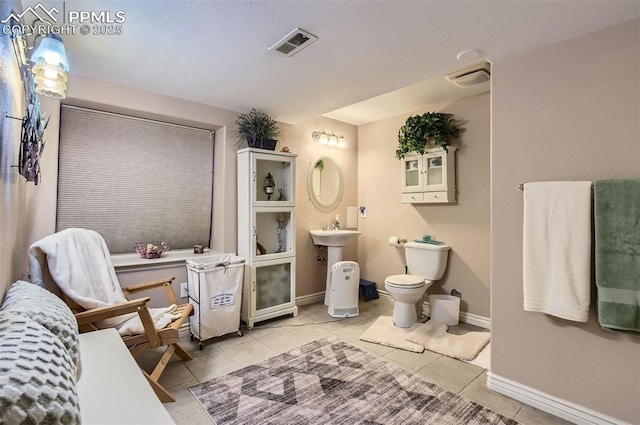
(397, 241)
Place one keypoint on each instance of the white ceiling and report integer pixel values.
(216, 52)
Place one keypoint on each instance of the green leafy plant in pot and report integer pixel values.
(258, 129)
(429, 130)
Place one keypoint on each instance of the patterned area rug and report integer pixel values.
(331, 382)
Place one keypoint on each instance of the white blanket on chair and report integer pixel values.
(79, 263)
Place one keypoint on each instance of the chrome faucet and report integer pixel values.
(332, 226)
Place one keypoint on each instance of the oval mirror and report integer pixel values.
(325, 183)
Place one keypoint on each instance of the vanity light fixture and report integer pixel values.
(329, 139)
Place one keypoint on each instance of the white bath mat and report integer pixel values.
(384, 332)
(434, 337)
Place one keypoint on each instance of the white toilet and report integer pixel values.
(426, 263)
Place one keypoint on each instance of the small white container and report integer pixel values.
(445, 309)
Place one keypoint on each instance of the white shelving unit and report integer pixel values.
(266, 238)
(429, 178)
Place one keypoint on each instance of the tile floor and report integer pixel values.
(225, 354)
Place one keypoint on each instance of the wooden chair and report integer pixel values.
(83, 264)
(152, 338)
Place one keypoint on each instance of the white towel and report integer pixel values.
(79, 263)
(557, 249)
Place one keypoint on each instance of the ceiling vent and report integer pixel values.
(471, 76)
(293, 42)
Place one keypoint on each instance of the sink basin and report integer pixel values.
(333, 237)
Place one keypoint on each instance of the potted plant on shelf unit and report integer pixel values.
(258, 129)
(429, 130)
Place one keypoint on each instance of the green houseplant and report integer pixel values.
(258, 129)
(428, 130)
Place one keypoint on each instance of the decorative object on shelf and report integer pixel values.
(258, 129)
(281, 233)
(420, 132)
(329, 139)
(198, 249)
(150, 251)
(285, 149)
(282, 195)
(260, 250)
(269, 186)
(45, 72)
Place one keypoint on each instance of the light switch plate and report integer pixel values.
(184, 290)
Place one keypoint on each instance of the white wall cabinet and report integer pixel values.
(429, 178)
(266, 234)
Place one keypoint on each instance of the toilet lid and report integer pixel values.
(405, 281)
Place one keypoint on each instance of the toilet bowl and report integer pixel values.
(426, 263)
(407, 292)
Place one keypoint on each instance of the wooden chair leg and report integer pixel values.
(163, 362)
(164, 395)
(181, 353)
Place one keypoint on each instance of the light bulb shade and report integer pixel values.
(48, 72)
(341, 142)
(52, 90)
(51, 52)
(50, 67)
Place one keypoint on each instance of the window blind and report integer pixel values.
(134, 180)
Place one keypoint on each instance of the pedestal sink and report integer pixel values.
(334, 240)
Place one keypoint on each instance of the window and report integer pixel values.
(134, 180)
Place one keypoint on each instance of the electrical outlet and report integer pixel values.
(184, 290)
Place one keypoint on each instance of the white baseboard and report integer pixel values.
(556, 406)
(310, 299)
(472, 319)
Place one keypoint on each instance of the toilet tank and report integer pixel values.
(426, 260)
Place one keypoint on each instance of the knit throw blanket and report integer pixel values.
(617, 256)
(38, 359)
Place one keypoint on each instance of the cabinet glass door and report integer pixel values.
(273, 178)
(411, 173)
(435, 171)
(272, 286)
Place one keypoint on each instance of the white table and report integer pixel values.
(112, 389)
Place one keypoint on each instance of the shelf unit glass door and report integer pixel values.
(272, 233)
(281, 169)
(271, 286)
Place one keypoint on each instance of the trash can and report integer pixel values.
(445, 309)
(215, 291)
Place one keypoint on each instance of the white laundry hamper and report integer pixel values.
(215, 291)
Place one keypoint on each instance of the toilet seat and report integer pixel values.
(405, 281)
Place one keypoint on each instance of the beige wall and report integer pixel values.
(12, 186)
(464, 225)
(565, 112)
(311, 274)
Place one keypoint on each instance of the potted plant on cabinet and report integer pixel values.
(258, 129)
(420, 132)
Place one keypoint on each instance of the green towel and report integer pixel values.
(617, 231)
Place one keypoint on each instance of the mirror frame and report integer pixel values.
(314, 200)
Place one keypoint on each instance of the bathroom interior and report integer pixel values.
(508, 139)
